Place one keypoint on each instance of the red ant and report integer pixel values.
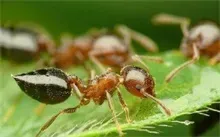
(52, 86)
(23, 42)
(112, 49)
(203, 39)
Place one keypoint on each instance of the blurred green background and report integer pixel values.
(78, 16)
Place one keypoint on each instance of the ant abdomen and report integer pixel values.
(135, 79)
(49, 86)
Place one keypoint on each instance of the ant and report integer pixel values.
(24, 42)
(21, 43)
(203, 39)
(102, 47)
(52, 86)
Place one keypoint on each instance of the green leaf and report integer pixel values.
(191, 91)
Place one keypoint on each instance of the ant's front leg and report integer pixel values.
(174, 72)
(110, 104)
(124, 105)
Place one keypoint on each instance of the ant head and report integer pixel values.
(204, 34)
(49, 86)
(207, 32)
(135, 79)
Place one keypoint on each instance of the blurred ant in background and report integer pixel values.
(58, 86)
(203, 39)
(24, 42)
(111, 48)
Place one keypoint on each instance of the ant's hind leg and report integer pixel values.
(214, 60)
(174, 72)
(167, 111)
(169, 19)
(124, 105)
(113, 113)
(49, 122)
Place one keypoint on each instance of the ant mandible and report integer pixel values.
(203, 39)
(52, 86)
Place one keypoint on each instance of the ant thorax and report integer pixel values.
(82, 42)
(97, 87)
(135, 79)
(18, 39)
(206, 35)
(73, 51)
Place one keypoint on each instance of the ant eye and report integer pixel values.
(48, 86)
(138, 87)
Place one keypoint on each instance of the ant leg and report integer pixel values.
(122, 30)
(163, 18)
(39, 109)
(77, 92)
(138, 59)
(10, 111)
(49, 122)
(214, 60)
(195, 58)
(95, 32)
(142, 39)
(92, 74)
(97, 62)
(168, 112)
(124, 105)
(113, 113)
(151, 58)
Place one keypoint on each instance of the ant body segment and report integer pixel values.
(22, 43)
(52, 86)
(102, 47)
(203, 39)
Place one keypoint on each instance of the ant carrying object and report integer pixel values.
(105, 47)
(203, 39)
(52, 86)
(24, 42)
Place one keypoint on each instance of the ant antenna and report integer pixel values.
(168, 112)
